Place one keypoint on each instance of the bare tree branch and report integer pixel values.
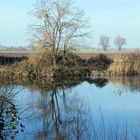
(58, 23)
(119, 42)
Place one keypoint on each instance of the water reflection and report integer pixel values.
(127, 84)
(99, 82)
(62, 117)
(59, 110)
(70, 123)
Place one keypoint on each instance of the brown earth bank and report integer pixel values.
(39, 66)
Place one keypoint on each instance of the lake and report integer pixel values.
(74, 109)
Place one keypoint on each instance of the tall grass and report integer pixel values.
(122, 65)
(127, 65)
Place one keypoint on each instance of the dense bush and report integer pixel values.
(70, 59)
(99, 63)
(42, 64)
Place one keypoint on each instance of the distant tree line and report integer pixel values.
(17, 48)
(12, 48)
(104, 42)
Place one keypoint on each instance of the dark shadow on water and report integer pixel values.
(98, 82)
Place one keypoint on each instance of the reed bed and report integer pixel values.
(128, 65)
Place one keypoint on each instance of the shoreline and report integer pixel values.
(38, 67)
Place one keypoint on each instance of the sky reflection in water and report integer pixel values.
(62, 112)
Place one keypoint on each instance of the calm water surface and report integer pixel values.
(97, 108)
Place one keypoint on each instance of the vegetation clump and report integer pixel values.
(41, 64)
(128, 65)
(99, 63)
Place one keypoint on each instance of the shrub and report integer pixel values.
(100, 62)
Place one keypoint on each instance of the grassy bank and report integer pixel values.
(41, 65)
(126, 65)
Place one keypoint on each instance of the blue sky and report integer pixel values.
(107, 17)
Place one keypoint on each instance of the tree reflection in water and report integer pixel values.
(9, 119)
(65, 120)
(99, 82)
(126, 84)
(63, 115)
(69, 118)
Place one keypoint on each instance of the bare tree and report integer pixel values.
(104, 42)
(58, 25)
(119, 42)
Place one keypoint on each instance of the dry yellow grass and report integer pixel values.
(127, 65)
